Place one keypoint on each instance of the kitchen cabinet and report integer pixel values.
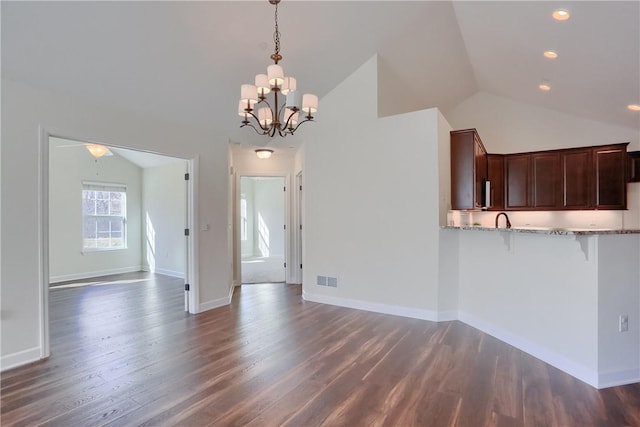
(517, 173)
(609, 166)
(546, 190)
(577, 183)
(634, 166)
(566, 179)
(468, 169)
(495, 174)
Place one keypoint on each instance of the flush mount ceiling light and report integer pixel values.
(551, 54)
(544, 87)
(264, 153)
(561, 14)
(280, 117)
(634, 107)
(96, 150)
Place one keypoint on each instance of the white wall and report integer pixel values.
(69, 166)
(508, 126)
(164, 218)
(372, 203)
(24, 111)
(269, 207)
(618, 294)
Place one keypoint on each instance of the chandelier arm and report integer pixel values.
(254, 128)
(257, 121)
(298, 125)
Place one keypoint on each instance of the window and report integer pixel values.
(104, 212)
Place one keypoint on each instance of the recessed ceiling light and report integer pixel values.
(561, 14)
(551, 54)
(544, 87)
(633, 107)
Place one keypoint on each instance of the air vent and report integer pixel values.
(322, 281)
(332, 282)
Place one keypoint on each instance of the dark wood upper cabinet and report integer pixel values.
(609, 164)
(577, 185)
(567, 179)
(634, 166)
(545, 190)
(495, 173)
(517, 172)
(468, 169)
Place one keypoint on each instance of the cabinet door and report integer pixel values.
(462, 170)
(546, 183)
(634, 166)
(610, 177)
(468, 169)
(577, 186)
(480, 177)
(495, 173)
(517, 181)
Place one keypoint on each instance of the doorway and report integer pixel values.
(262, 229)
(99, 200)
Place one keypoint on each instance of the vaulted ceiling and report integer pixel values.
(184, 62)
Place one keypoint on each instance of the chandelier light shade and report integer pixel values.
(96, 150)
(278, 113)
(264, 153)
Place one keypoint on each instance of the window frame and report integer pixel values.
(104, 187)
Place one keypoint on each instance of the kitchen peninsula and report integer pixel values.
(558, 294)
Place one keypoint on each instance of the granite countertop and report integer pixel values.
(546, 230)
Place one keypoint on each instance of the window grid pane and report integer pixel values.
(104, 225)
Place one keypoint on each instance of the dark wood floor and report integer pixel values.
(126, 354)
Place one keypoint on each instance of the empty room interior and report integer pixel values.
(339, 213)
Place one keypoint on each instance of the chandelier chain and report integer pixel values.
(276, 33)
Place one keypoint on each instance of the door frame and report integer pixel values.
(297, 231)
(43, 228)
(236, 222)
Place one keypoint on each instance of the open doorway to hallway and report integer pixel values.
(262, 222)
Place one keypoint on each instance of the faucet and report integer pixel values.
(506, 217)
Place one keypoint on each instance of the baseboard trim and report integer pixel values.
(447, 316)
(220, 302)
(19, 358)
(166, 272)
(618, 378)
(97, 273)
(572, 368)
(395, 310)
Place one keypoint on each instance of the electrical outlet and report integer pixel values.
(623, 323)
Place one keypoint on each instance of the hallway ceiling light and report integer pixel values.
(281, 118)
(544, 86)
(634, 107)
(561, 14)
(264, 153)
(96, 150)
(551, 54)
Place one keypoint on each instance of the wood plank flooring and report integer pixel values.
(125, 354)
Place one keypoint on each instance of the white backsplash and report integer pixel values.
(629, 219)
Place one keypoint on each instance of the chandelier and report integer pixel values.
(280, 117)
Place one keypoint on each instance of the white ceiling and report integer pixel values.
(185, 61)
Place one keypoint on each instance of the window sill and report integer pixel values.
(100, 250)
